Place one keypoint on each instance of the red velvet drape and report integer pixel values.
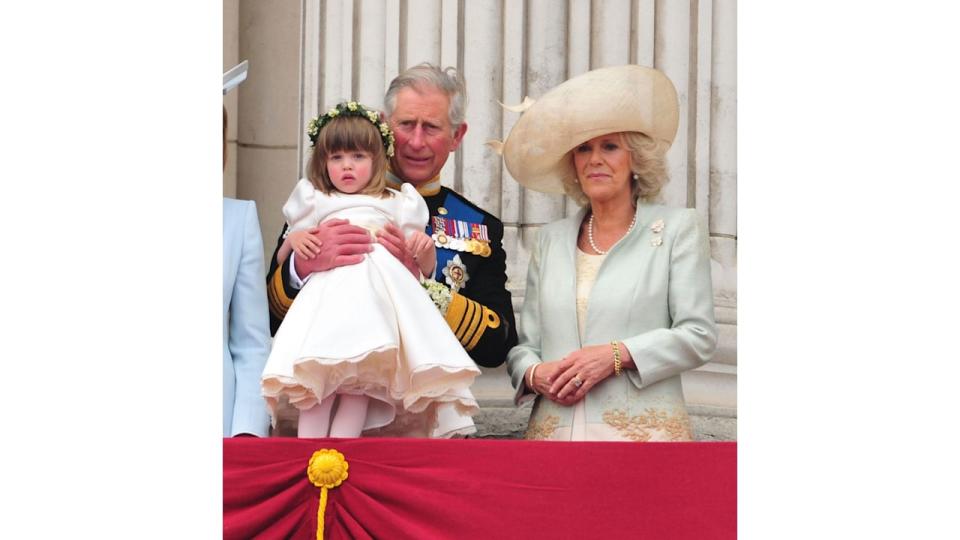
(424, 489)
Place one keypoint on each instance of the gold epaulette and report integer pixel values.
(469, 320)
(277, 296)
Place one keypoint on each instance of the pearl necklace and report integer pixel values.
(590, 234)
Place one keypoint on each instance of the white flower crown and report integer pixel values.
(352, 108)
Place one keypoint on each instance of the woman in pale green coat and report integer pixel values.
(618, 301)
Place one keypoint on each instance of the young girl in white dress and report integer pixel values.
(363, 348)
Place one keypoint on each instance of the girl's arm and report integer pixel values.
(303, 242)
(284, 251)
(409, 219)
(423, 251)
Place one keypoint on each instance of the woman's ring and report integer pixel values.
(577, 381)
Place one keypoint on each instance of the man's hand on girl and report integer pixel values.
(340, 244)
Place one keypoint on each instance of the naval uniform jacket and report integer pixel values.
(480, 313)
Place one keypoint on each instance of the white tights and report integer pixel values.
(347, 422)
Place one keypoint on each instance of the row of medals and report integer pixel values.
(469, 245)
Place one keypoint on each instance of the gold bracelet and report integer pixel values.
(617, 366)
(533, 370)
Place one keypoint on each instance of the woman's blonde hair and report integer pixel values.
(348, 133)
(647, 162)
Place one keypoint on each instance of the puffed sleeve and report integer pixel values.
(300, 210)
(691, 340)
(249, 338)
(527, 351)
(412, 213)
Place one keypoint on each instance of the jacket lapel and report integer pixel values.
(618, 277)
(571, 231)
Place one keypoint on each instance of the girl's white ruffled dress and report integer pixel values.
(371, 329)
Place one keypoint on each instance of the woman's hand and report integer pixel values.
(423, 251)
(590, 365)
(542, 377)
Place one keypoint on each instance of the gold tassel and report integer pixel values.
(327, 469)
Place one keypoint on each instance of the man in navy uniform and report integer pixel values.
(425, 108)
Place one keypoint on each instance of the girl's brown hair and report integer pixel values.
(348, 133)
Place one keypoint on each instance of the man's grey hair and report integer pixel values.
(447, 80)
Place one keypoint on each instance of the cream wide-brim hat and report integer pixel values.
(606, 100)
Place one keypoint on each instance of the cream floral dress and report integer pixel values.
(650, 414)
(651, 292)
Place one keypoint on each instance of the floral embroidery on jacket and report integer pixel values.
(642, 426)
(543, 429)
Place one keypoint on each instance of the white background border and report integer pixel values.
(848, 279)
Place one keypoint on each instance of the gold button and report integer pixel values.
(442, 211)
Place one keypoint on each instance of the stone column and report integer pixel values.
(515, 20)
(712, 389)
(482, 53)
(336, 31)
(546, 68)
(723, 183)
(644, 32)
(610, 33)
(672, 56)
(370, 53)
(723, 149)
(420, 32)
(268, 106)
(231, 53)
(698, 192)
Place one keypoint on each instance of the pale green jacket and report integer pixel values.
(653, 293)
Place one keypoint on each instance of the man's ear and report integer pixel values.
(458, 135)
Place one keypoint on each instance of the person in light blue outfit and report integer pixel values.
(619, 301)
(246, 324)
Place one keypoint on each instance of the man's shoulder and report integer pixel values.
(447, 194)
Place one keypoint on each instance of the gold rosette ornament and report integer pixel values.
(327, 469)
